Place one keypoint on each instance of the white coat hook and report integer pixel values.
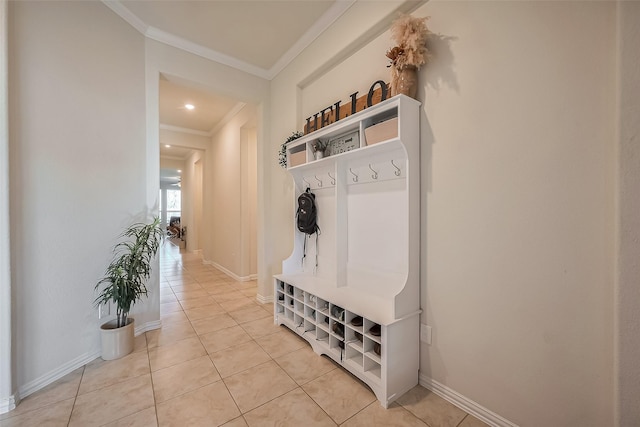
(397, 171)
(355, 177)
(375, 174)
(306, 182)
(319, 181)
(333, 180)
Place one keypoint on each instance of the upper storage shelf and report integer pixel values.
(371, 129)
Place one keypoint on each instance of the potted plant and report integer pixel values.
(282, 153)
(318, 148)
(124, 284)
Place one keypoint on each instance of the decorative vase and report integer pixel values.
(318, 154)
(405, 81)
(117, 342)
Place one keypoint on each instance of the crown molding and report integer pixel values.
(127, 15)
(328, 18)
(235, 110)
(191, 47)
(184, 130)
(325, 21)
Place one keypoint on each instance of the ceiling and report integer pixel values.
(259, 37)
(256, 36)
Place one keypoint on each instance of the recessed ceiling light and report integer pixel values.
(189, 106)
(167, 146)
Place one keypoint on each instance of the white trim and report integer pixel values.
(67, 368)
(56, 374)
(228, 272)
(227, 117)
(184, 130)
(314, 31)
(191, 47)
(124, 13)
(253, 276)
(464, 403)
(149, 326)
(8, 404)
(320, 26)
(264, 299)
(7, 379)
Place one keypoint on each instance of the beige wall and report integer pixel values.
(225, 191)
(192, 200)
(627, 295)
(518, 185)
(78, 174)
(518, 129)
(248, 200)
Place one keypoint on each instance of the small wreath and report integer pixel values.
(282, 154)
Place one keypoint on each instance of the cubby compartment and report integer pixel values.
(337, 312)
(336, 345)
(336, 328)
(288, 314)
(360, 305)
(310, 313)
(310, 300)
(322, 337)
(354, 356)
(380, 127)
(323, 321)
(323, 306)
(372, 368)
(309, 327)
(298, 307)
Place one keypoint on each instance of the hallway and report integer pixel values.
(220, 360)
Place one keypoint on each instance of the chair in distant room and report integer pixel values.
(173, 230)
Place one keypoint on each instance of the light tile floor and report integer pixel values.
(220, 360)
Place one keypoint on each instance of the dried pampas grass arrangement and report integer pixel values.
(411, 52)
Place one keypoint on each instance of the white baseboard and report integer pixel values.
(149, 326)
(67, 368)
(8, 404)
(230, 273)
(464, 403)
(264, 299)
(56, 374)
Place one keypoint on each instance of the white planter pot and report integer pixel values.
(117, 342)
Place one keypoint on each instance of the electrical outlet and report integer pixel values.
(425, 334)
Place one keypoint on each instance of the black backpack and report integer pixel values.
(307, 213)
(306, 218)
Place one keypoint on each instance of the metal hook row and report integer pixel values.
(355, 178)
(333, 180)
(374, 175)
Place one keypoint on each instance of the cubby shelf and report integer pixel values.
(368, 264)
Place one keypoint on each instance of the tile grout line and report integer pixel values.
(76, 396)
